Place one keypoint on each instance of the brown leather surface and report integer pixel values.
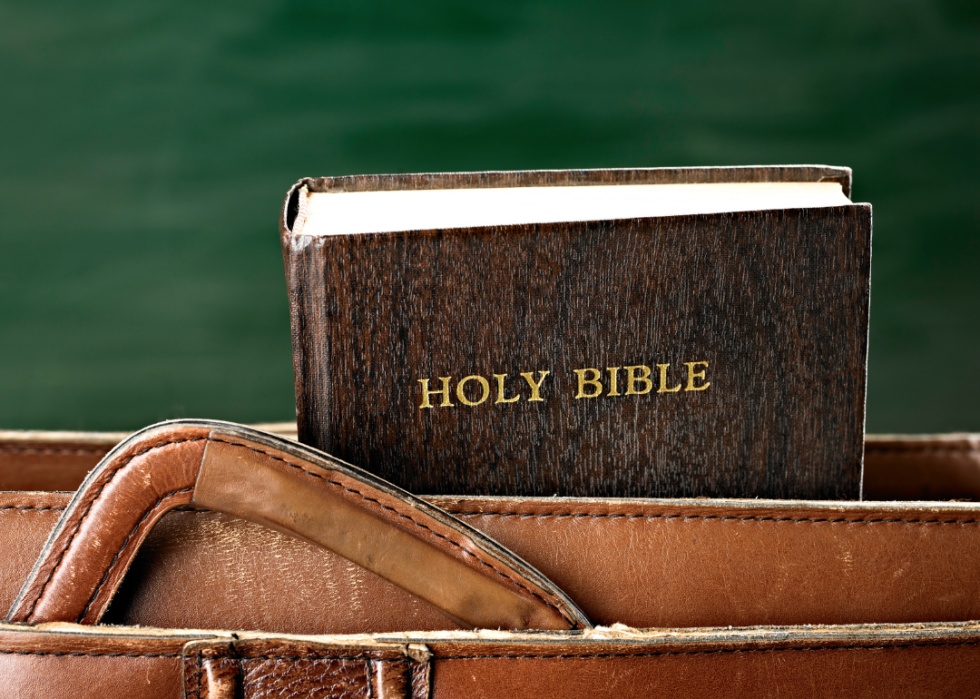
(212, 677)
(706, 564)
(26, 519)
(929, 661)
(46, 664)
(644, 564)
(600, 672)
(33, 465)
(379, 530)
(242, 472)
(111, 515)
(935, 467)
(228, 573)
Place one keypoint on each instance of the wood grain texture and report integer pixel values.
(776, 302)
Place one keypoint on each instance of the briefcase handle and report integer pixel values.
(294, 489)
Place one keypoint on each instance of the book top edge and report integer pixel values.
(545, 178)
(294, 203)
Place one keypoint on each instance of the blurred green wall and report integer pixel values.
(146, 147)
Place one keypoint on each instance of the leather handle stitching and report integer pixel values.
(122, 548)
(119, 468)
(81, 520)
(502, 574)
(720, 518)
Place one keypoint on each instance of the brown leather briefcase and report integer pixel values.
(328, 582)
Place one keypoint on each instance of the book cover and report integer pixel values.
(719, 353)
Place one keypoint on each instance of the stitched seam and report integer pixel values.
(409, 518)
(481, 657)
(543, 515)
(125, 543)
(93, 655)
(54, 452)
(29, 507)
(488, 657)
(88, 509)
(721, 518)
(708, 652)
(367, 675)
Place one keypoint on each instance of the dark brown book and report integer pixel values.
(643, 333)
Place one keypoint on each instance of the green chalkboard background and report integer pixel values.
(146, 147)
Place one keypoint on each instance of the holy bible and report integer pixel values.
(616, 333)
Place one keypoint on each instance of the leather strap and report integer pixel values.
(291, 488)
(871, 661)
